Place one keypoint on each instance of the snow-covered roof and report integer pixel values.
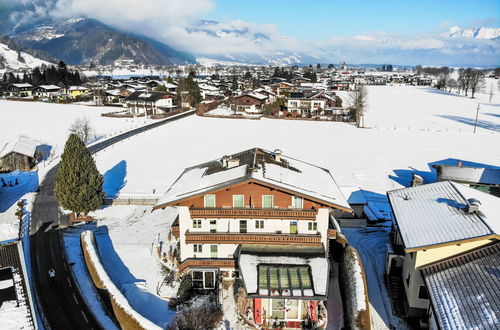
(465, 290)
(24, 146)
(436, 213)
(467, 174)
(23, 85)
(49, 87)
(77, 88)
(258, 165)
(314, 259)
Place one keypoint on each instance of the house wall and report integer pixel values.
(432, 255)
(232, 225)
(253, 198)
(412, 280)
(14, 161)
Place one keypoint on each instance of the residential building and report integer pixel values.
(434, 223)
(149, 103)
(47, 91)
(19, 90)
(265, 218)
(20, 155)
(248, 102)
(75, 91)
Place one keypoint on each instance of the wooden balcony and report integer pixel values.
(254, 213)
(253, 238)
(214, 263)
(332, 233)
(175, 231)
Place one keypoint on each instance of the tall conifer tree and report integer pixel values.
(78, 182)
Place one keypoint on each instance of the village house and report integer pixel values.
(19, 90)
(75, 91)
(248, 102)
(149, 103)
(434, 224)
(265, 218)
(47, 91)
(20, 155)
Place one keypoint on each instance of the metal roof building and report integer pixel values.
(465, 290)
(437, 213)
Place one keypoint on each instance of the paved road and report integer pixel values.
(61, 304)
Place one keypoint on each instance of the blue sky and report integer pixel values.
(320, 19)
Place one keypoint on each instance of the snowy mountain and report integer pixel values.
(257, 47)
(15, 59)
(80, 41)
(477, 32)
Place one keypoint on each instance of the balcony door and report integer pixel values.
(293, 227)
(243, 226)
(214, 251)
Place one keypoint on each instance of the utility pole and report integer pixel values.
(477, 114)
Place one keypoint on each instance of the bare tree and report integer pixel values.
(476, 81)
(464, 80)
(82, 128)
(359, 103)
(491, 93)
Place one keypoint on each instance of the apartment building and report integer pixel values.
(262, 217)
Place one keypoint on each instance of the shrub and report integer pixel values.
(206, 316)
(184, 293)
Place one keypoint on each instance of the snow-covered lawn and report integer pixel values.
(49, 123)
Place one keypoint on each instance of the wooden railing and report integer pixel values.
(254, 213)
(175, 231)
(332, 233)
(216, 263)
(253, 238)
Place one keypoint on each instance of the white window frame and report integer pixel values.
(198, 248)
(272, 201)
(294, 206)
(197, 223)
(312, 226)
(243, 202)
(205, 200)
(215, 229)
(259, 224)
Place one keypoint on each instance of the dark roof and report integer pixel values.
(143, 96)
(465, 290)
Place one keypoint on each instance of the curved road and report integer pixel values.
(61, 305)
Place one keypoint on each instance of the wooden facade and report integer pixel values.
(253, 238)
(14, 161)
(207, 263)
(252, 193)
(249, 213)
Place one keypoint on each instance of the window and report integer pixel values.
(311, 225)
(209, 200)
(197, 248)
(203, 279)
(197, 280)
(196, 223)
(214, 251)
(243, 226)
(297, 202)
(278, 308)
(267, 201)
(259, 224)
(209, 280)
(293, 227)
(422, 293)
(213, 226)
(238, 201)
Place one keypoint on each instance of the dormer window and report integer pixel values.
(209, 200)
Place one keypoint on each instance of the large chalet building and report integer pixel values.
(262, 217)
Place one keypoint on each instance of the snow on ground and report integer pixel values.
(49, 123)
(12, 58)
(374, 159)
(82, 277)
(13, 316)
(372, 243)
(128, 237)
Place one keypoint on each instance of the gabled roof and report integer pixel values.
(24, 146)
(144, 96)
(435, 214)
(258, 165)
(465, 290)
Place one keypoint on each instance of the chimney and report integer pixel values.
(233, 162)
(473, 205)
(225, 160)
(277, 155)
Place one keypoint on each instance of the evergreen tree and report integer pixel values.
(189, 90)
(78, 182)
(234, 84)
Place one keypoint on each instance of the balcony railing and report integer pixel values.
(215, 263)
(254, 213)
(253, 238)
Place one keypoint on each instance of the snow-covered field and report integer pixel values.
(377, 159)
(409, 129)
